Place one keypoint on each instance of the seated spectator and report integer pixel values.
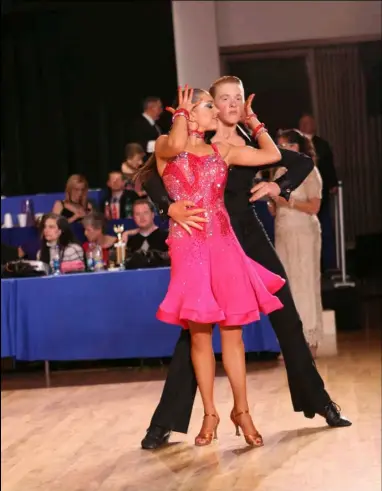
(146, 245)
(145, 130)
(95, 227)
(76, 204)
(118, 201)
(134, 155)
(57, 232)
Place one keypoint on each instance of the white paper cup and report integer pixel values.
(8, 222)
(22, 217)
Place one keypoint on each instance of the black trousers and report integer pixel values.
(306, 386)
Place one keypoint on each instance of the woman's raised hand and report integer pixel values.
(184, 99)
(248, 106)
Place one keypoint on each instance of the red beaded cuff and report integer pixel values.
(257, 129)
(181, 112)
(260, 132)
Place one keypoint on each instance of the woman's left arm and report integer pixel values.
(268, 153)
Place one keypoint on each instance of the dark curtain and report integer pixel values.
(73, 77)
(350, 119)
(281, 86)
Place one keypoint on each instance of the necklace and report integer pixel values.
(198, 134)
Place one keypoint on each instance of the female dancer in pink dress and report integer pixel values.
(212, 280)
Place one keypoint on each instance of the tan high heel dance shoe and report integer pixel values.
(205, 437)
(255, 439)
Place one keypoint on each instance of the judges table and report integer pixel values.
(106, 315)
(28, 237)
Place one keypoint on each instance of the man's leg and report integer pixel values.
(306, 385)
(175, 406)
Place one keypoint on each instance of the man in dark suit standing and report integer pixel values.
(145, 130)
(325, 165)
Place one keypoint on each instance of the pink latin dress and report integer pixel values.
(212, 279)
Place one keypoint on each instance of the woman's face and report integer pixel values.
(136, 161)
(229, 99)
(51, 231)
(283, 143)
(92, 234)
(205, 113)
(77, 192)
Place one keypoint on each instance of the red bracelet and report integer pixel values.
(260, 132)
(181, 112)
(257, 129)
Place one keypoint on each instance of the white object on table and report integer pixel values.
(22, 217)
(8, 222)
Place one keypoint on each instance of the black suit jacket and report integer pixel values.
(325, 165)
(142, 132)
(128, 196)
(240, 180)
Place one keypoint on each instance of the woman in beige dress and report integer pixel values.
(298, 240)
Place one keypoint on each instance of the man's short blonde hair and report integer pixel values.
(226, 79)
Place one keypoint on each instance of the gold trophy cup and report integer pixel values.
(120, 246)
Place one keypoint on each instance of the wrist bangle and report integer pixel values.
(181, 112)
(260, 132)
(257, 129)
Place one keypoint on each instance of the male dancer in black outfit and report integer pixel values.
(306, 386)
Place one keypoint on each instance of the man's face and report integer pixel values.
(115, 182)
(229, 99)
(307, 125)
(143, 216)
(156, 109)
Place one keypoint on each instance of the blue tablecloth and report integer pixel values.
(28, 238)
(8, 317)
(105, 315)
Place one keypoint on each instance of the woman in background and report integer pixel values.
(55, 231)
(95, 227)
(134, 155)
(76, 204)
(298, 239)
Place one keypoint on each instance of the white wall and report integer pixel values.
(196, 46)
(241, 23)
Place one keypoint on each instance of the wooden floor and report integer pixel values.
(84, 434)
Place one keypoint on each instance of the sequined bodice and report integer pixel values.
(199, 179)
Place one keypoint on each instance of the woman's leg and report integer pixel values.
(203, 360)
(233, 355)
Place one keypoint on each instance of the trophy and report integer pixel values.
(120, 246)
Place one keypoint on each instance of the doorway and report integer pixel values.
(281, 86)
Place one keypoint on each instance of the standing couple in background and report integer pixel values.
(234, 291)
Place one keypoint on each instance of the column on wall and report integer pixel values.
(196, 45)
